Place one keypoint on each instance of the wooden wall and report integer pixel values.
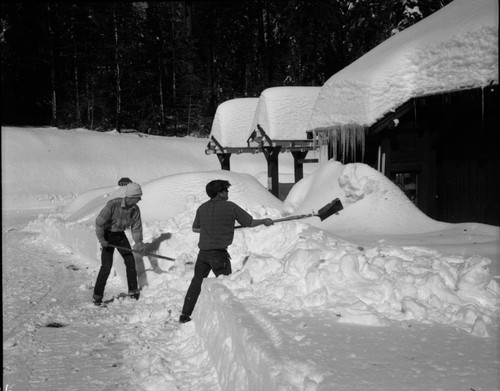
(448, 144)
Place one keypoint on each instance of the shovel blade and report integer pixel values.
(330, 209)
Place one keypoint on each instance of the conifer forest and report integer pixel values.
(163, 67)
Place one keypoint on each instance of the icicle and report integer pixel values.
(361, 140)
(344, 141)
(352, 138)
(333, 140)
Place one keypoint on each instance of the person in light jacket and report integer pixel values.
(118, 215)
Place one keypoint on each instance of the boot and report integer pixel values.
(135, 294)
(97, 299)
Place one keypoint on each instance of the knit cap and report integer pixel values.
(133, 190)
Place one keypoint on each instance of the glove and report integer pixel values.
(141, 248)
(104, 243)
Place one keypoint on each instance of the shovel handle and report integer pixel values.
(298, 217)
(288, 218)
(138, 252)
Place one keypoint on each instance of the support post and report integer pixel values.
(272, 154)
(224, 161)
(298, 165)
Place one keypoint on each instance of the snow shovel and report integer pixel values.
(138, 252)
(326, 211)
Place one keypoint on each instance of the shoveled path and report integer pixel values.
(42, 288)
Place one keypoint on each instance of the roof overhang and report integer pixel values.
(437, 99)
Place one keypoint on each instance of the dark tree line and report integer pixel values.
(164, 67)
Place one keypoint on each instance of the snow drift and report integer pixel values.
(372, 203)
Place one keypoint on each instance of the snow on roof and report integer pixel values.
(284, 112)
(454, 48)
(233, 120)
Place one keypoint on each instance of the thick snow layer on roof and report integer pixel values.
(284, 112)
(456, 47)
(233, 121)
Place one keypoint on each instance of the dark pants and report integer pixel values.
(118, 239)
(216, 260)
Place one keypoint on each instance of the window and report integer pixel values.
(408, 183)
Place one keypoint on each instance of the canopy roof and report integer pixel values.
(233, 121)
(284, 112)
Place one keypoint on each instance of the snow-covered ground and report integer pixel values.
(377, 297)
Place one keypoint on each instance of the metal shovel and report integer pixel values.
(138, 252)
(326, 211)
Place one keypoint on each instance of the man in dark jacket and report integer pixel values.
(118, 215)
(214, 221)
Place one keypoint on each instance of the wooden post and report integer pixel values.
(224, 161)
(298, 164)
(272, 154)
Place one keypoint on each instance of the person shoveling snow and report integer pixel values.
(214, 221)
(111, 223)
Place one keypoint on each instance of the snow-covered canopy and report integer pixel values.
(284, 112)
(233, 120)
(454, 48)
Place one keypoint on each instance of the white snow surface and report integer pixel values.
(95, 165)
(233, 121)
(377, 297)
(284, 112)
(455, 47)
(363, 191)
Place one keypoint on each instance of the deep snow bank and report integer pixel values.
(52, 165)
(163, 199)
(298, 267)
(166, 197)
(49, 167)
(372, 203)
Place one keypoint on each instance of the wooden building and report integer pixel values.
(443, 151)
(423, 108)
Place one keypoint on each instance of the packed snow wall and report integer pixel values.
(241, 345)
